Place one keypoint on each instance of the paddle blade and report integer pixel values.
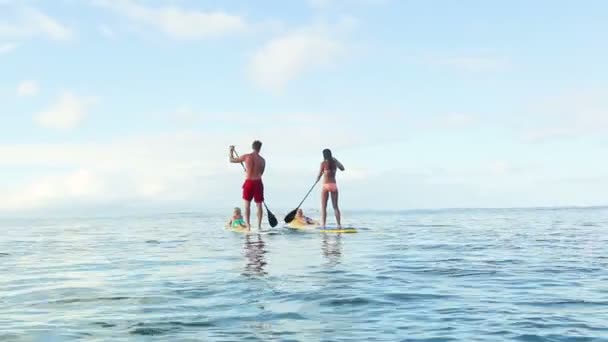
(290, 216)
(272, 219)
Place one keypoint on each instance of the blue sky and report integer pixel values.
(429, 104)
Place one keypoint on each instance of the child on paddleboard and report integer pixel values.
(237, 220)
(303, 219)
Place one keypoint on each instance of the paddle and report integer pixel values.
(272, 220)
(292, 214)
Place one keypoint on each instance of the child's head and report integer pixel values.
(237, 211)
(300, 212)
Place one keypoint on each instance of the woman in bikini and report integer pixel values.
(328, 169)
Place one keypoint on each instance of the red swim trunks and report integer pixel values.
(253, 189)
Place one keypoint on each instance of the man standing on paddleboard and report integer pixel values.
(253, 188)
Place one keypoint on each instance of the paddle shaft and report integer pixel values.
(243, 165)
(308, 193)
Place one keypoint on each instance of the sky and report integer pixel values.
(127, 104)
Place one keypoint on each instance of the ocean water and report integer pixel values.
(447, 275)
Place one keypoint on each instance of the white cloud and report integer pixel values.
(191, 170)
(166, 167)
(178, 23)
(6, 48)
(184, 168)
(500, 168)
(476, 63)
(179, 166)
(106, 31)
(31, 22)
(66, 113)
(321, 4)
(452, 120)
(284, 58)
(73, 186)
(28, 88)
(548, 133)
(458, 120)
(47, 25)
(473, 62)
(577, 114)
(185, 114)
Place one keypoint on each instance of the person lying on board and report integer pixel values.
(237, 220)
(303, 219)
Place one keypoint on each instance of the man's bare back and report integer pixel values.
(254, 165)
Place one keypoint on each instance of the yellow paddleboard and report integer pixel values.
(237, 229)
(317, 228)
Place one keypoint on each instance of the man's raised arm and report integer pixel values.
(234, 159)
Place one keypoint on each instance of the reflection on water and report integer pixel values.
(254, 251)
(332, 248)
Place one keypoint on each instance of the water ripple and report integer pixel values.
(465, 275)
